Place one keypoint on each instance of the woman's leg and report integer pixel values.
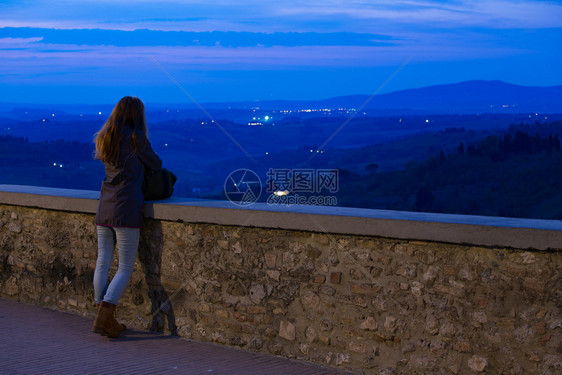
(106, 245)
(127, 243)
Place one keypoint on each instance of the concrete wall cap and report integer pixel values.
(469, 229)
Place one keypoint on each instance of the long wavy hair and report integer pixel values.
(128, 112)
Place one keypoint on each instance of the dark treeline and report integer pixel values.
(516, 174)
(513, 143)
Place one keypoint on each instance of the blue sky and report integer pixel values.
(98, 51)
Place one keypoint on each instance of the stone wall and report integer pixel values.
(368, 304)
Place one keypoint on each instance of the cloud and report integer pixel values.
(482, 13)
(146, 37)
(19, 42)
(290, 15)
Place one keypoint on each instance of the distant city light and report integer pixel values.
(165, 145)
(99, 113)
(267, 153)
(53, 115)
(266, 118)
(280, 193)
(426, 120)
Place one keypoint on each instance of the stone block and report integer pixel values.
(270, 260)
(356, 299)
(326, 325)
(221, 314)
(431, 274)
(237, 248)
(256, 343)
(342, 358)
(357, 274)
(287, 330)
(431, 325)
(369, 324)
(257, 293)
(319, 279)
(309, 301)
(390, 323)
(408, 348)
(361, 288)
(15, 227)
(445, 289)
(463, 347)
(256, 309)
(290, 261)
(310, 334)
(11, 286)
(386, 261)
(477, 363)
(450, 270)
(273, 274)
(358, 347)
(324, 339)
(335, 277)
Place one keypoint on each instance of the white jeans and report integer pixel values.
(127, 243)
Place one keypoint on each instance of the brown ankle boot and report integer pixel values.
(121, 326)
(105, 323)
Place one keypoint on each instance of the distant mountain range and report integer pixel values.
(458, 98)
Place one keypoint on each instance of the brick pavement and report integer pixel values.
(37, 340)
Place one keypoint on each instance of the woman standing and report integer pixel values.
(123, 147)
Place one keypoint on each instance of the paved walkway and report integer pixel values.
(37, 340)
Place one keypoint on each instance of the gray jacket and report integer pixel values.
(121, 198)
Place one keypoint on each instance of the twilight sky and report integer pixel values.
(60, 51)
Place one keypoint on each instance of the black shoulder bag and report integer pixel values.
(158, 184)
